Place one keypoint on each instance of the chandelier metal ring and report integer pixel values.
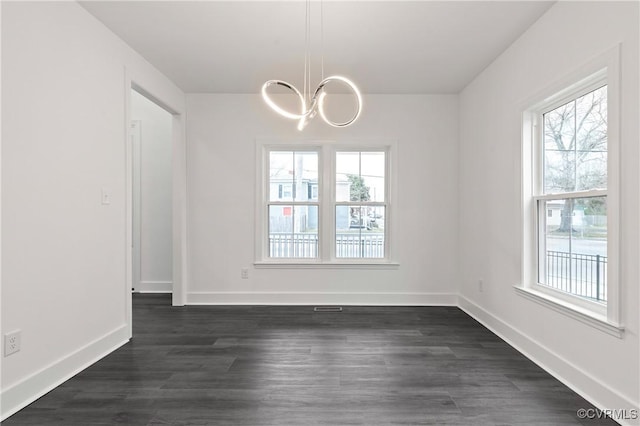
(323, 94)
(317, 101)
(276, 107)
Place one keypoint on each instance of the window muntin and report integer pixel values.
(572, 246)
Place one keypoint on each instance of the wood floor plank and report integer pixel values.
(288, 365)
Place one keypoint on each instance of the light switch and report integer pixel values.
(106, 196)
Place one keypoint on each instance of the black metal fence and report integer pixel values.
(583, 275)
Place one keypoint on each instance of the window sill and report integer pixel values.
(325, 265)
(583, 315)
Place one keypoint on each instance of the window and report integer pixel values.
(570, 190)
(572, 249)
(360, 207)
(293, 215)
(323, 204)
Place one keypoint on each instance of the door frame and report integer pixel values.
(162, 97)
(135, 149)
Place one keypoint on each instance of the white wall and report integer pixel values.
(63, 253)
(601, 367)
(221, 134)
(63, 140)
(155, 194)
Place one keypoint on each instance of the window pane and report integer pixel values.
(360, 232)
(559, 152)
(347, 176)
(591, 121)
(575, 242)
(280, 176)
(372, 171)
(575, 144)
(292, 175)
(360, 176)
(305, 175)
(293, 231)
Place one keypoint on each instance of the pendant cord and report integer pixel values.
(321, 40)
(306, 53)
(309, 52)
(309, 49)
(306, 88)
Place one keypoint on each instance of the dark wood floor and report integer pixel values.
(209, 365)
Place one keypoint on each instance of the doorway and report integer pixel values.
(151, 145)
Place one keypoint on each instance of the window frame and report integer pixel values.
(284, 201)
(603, 70)
(335, 203)
(327, 203)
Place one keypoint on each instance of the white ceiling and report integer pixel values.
(384, 46)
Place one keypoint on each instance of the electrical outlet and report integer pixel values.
(480, 286)
(12, 342)
(244, 273)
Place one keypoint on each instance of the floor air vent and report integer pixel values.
(327, 309)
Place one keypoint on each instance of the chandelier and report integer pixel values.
(312, 104)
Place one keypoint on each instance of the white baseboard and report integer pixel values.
(23, 393)
(154, 287)
(321, 298)
(575, 378)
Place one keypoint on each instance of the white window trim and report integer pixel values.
(326, 199)
(604, 68)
